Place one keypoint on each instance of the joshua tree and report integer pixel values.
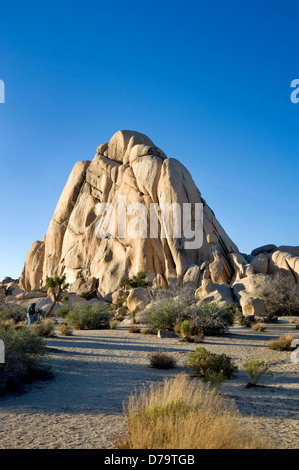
(57, 284)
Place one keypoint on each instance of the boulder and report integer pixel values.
(286, 262)
(260, 263)
(264, 249)
(247, 291)
(31, 295)
(252, 306)
(138, 299)
(209, 292)
(31, 277)
(191, 276)
(13, 289)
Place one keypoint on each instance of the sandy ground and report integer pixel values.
(95, 371)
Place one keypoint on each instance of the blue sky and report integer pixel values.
(207, 81)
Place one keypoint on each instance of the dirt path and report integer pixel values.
(95, 371)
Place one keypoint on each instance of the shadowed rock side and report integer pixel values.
(130, 165)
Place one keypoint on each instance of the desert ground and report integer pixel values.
(95, 371)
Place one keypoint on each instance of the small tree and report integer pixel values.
(57, 285)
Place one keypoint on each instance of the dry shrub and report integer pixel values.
(65, 329)
(45, 328)
(183, 413)
(258, 327)
(161, 360)
(283, 343)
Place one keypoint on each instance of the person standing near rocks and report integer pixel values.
(30, 313)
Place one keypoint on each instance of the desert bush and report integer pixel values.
(186, 329)
(65, 329)
(246, 321)
(258, 327)
(182, 413)
(297, 325)
(255, 369)
(134, 329)
(161, 360)
(16, 314)
(281, 297)
(25, 358)
(138, 280)
(292, 321)
(45, 328)
(145, 331)
(88, 295)
(283, 343)
(89, 317)
(165, 313)
(203, 362)
(113, 324)
(214, 379)
(210, 319)
(62, 311)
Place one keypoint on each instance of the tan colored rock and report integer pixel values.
(260, 264)
(253, 306)
(33, 269)
(138, 299)
(131, 166)
(247, 291)
(13, 289)
(286, 262)
(209, 292)
(191, 276)
(31, 295)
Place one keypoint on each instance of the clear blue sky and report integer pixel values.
(207, 81)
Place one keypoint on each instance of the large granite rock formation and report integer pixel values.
(131, 166)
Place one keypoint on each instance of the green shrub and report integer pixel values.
(62, 311)
(283, 343)
(139, 280)
(88, 317)
(214, 379)
(161, 360)
(203, 363)
(16, 314)
(255, 369)
(88, 295)
(211, 319)
(165, 313)
(186, 329)
(25, 358)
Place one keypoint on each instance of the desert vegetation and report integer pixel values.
(183, 413)
(87, 316)
(25, 358)
(255, 369)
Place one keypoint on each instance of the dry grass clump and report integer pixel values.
(65, 329)
(46, 328)
(161, 360)
(182, 413)
(283, 343)
(258, 327)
